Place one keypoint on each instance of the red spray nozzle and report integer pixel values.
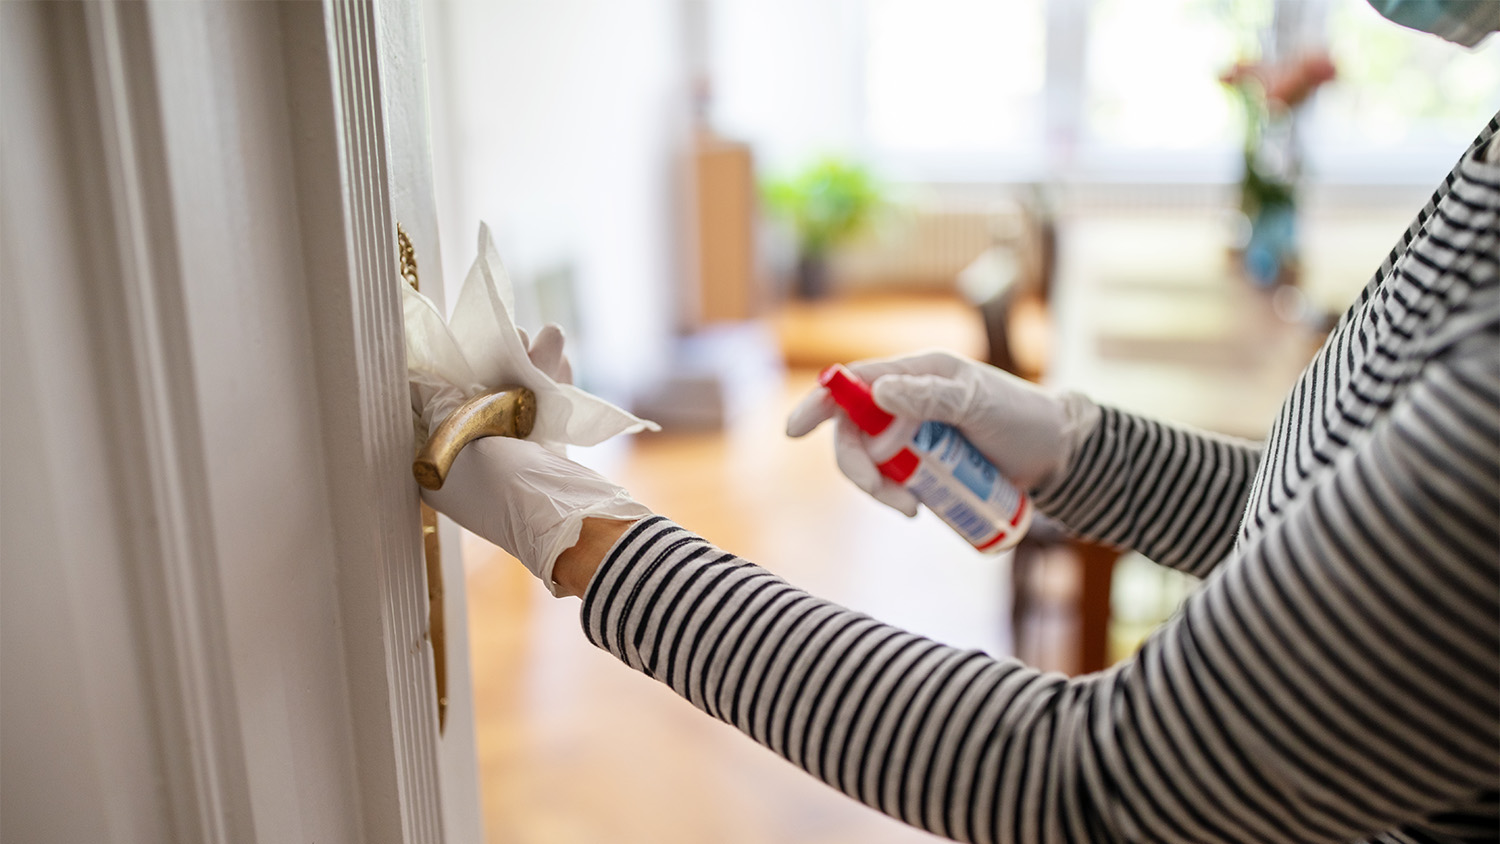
(854, 396)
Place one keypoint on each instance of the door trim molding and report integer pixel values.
(350, 252)
(161, 485)
(138, 226)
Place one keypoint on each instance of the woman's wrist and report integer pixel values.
(575, 567)
(1080, 419)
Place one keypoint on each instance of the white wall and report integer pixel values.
(559, 123)
(786, 76)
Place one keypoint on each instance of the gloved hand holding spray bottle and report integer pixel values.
(962, 437)
(941, 468)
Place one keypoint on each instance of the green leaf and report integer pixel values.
(828, 203)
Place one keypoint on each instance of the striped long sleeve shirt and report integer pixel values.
(1335, 678)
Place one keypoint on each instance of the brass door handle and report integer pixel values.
(506, 412)
(437, 627)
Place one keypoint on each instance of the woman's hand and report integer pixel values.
(1028, 432)
(557, 517)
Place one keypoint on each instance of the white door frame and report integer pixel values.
(215, 608)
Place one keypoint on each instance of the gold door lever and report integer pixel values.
(509, 412)
(506, 412)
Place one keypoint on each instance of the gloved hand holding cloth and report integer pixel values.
(524, 496)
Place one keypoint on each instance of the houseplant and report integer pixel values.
(827, 203)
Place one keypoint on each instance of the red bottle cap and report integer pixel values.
(853, 395)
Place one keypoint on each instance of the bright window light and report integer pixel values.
(1153, 72)
(1397, 88)
(954, 75)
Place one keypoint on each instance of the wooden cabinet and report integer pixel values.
(723, 281)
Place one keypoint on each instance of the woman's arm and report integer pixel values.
(1169, 492)
(1173, 494)
(1336, 678)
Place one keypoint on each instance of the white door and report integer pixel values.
(213, 605)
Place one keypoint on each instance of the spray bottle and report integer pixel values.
(941, 468)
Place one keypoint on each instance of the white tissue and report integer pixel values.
(481, 349)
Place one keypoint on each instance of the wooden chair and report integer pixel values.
(1017, 322)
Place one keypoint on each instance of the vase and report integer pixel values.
(812, 277)
(1271, 254)
(1268, 199)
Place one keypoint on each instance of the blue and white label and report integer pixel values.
(960, 485)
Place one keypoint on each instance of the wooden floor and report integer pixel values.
(575, 747)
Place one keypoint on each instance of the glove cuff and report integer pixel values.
(1080, 419)
(564, 535)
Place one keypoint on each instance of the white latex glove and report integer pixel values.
(546, 352)
(481, 348)
(528, 500)
(1029, 433)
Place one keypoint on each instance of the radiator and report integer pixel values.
(921, 248)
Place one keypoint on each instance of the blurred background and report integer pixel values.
(1162, 203)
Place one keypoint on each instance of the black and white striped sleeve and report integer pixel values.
(1175, 494)
(1336, 678)
(1172, 493)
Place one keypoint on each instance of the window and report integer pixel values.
(954, 76)
(1405, 103)
(1108, 90)
(1152, 99)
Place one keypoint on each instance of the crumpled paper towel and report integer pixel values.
(448, 362)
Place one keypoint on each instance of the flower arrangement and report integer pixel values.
(1269, 95)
